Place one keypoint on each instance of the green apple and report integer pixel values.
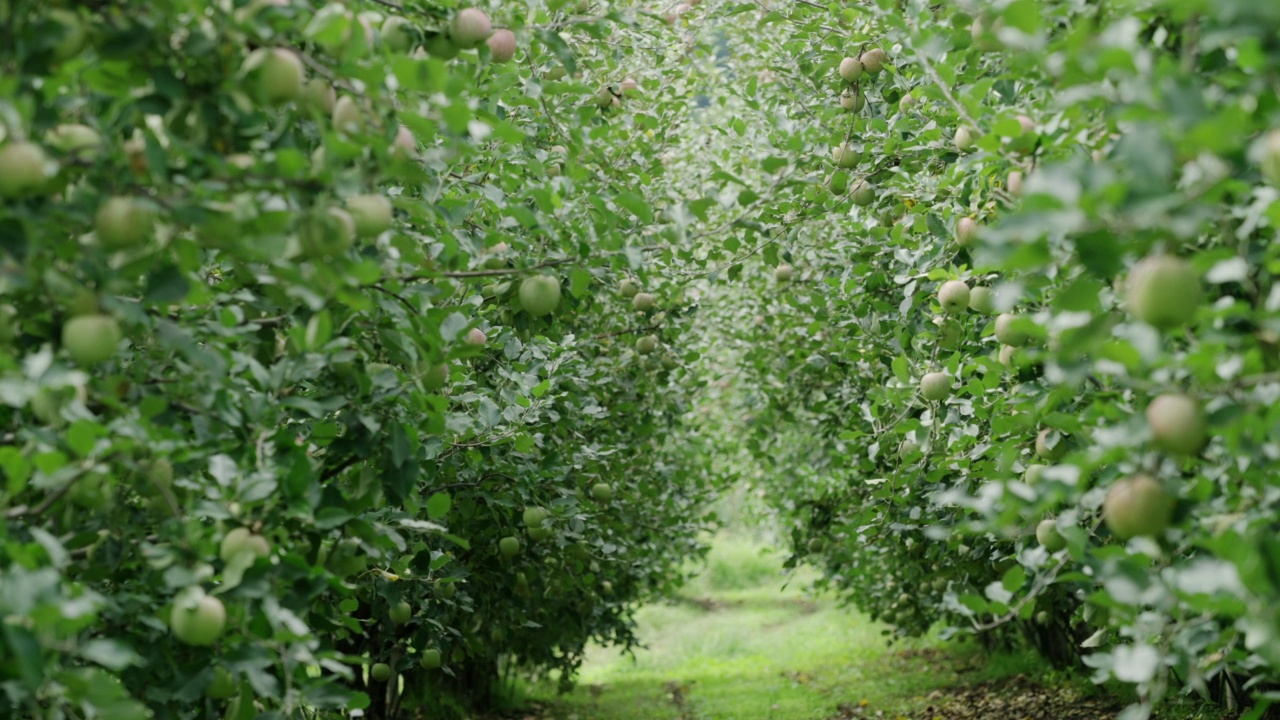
(242, 540)
(628, 288)
(850, 69)
(1007, 331)
(784, 273)
(24, 169)
(502, 46)
(852, 100)
(863, 193)
(1034, 473)
(602, 492)
(1014, 183)
(844, 156)
(1007, 353)
(398, 34)
(906, 103)
(434, 377)
(647, 344)
(980, 300)
(533, 516)
(222, 686)
(1049, 449)
(91, 339)
(197, 618)
(380, 672)
(1047, 535)
(80, 141)
(935, 386)
(275, 75)
(122, 222)
(347, 116)
(838, 183)
(953, 296)
(1137, 506)
(643, 302)
(372, 214)
(92, 492)
(873, 60)
(318, 96)
(1163, 291)
(966, 231)
(469, 28)
(509, 546)
(964, 139)
(439, 45)
(1178, 424)
(327, 233)
(540, 294)
(400, 612)
(431, 658)
(72, 34)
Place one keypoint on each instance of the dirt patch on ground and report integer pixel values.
(1012, 698)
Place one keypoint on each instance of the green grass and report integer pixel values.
(738, 646)
(753, 650)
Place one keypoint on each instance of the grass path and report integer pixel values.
(737, 646)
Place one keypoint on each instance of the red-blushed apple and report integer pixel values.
(966, 231)
(469, 28)
(502, 45)
(850, 69)
(873, 60)
(1136, 506)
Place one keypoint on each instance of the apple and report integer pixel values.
(1178, 424)
(873, 60)
(318, 96)
(400, 612)
(122, 222)
(24, 169)
(327, 233)
(1053, 452)
(605, 97)
(850, 69)
(509, 546)
(540, 294)
(1014, 183)
(953, 296)
(434, 377)
(844, 156)
(964, 139)
(222, 686)
(372, 214)
(197, 618)
(442, 47)
(643, 302)
(242, 540)
(980, 300)
(838, 183)
(431, 658)
(72, 35)
(502, 45)
(966, 230)
(79, 141)
(602, 492)
(935, 386)
(276, 75)
(629, 86)
(91, 339)
(1163, 291)
(469, 28)
(347, 559)
(863, 193)
(1006, 355)
(405, 144)
(628, 288)
(784, 273)
(1137, 505)
(92, 492)
(852, 100)
(1007, 331)
(647, 344)
(476, 337)
(1033, 473)
(1271, 157)
(380, 672)
(347, 116)
(906, 103)
(555, 72)
(398, 34)
(1048, 536)
(1027, 124)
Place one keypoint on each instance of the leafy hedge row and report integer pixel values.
(319, 384)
